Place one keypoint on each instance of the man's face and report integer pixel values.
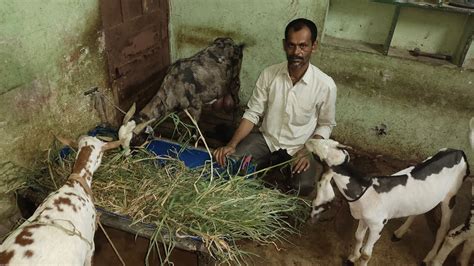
(298, 47)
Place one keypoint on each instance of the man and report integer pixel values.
(296, 101)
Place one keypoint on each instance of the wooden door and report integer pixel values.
(137, 46)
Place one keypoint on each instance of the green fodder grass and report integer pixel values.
(184, 202)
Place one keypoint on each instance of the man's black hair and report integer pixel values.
(298, 24)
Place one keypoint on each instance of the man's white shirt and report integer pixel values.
(292, 114)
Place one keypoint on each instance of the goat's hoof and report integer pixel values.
(423, 263)
(395, 238)
(348, 263)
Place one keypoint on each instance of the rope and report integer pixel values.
(95, 91)
(111, 243)
(111, 102)
(70, 232)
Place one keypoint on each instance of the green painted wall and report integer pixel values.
(359, 20)
(439, 32)
(259, 24)
(51, 52)
(424, 107)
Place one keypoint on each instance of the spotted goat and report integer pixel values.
(374, 200)
(464, 233)
(211, 76)
(61, 231)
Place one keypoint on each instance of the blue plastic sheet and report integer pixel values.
(192, 157)
(195, 158)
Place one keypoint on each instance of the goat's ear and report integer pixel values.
(342, 146)
(68, 142)
(129, 114)
(318, 147)
(140, 127)
(112, 145)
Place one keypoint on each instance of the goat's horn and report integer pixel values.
(130, 113)
(139, 128)
(471, 124)
(67, 142)
(112, 145)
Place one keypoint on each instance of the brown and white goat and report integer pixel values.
(464, 233)
(375, 200)
(61, 231)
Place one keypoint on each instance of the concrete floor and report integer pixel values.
(330, 242)
(327, 242)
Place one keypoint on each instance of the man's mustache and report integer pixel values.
(294, 58)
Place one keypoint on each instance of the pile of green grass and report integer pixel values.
(182, 202)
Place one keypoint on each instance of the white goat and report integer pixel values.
(129, 128)
(464, 233)
(375, 200)
(61, 231)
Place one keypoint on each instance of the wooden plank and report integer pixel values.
(138, 58)
(146, 230)
(125, 50)
(149, 61)
(111, 11)
(125, 224)
(139, 92)
(150, 5)
(137, 48)
(131, 9)
(129, 42)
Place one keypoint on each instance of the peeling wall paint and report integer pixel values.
(51, 52)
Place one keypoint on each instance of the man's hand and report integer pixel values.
(302, 162)
(221, 153)
(242, 131)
